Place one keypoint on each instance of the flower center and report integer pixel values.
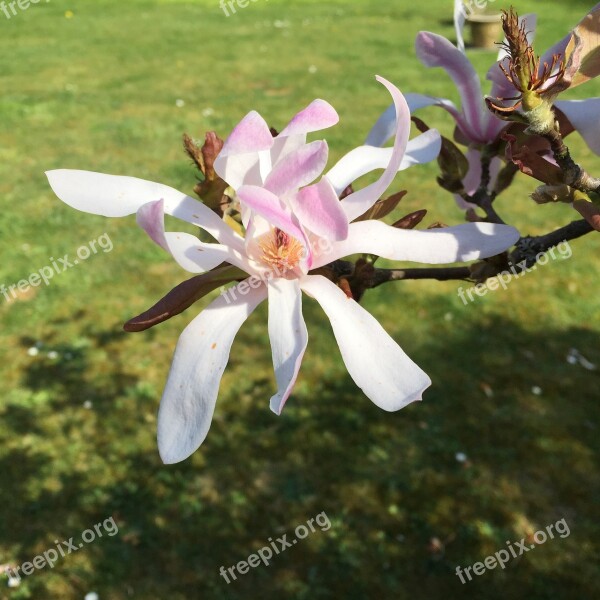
(281, 251)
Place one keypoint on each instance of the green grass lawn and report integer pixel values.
(97, 88)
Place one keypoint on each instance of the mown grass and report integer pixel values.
(77, 443)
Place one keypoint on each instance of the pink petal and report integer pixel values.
(376, 363)
(298, 168)
(238, 161)
(202, 352)
(319, 209)
(288, 336)
(462, 243)
(436, 51)
(250, 135)
(359, 202)
(472, 180)
(269, 206)
(318, 115)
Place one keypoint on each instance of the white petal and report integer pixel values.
(461, 243)
(459, 23)
(189, 252)
(364, 159)
(584, 116)
(288, 335)
(385, 127)
(359, 202)
(119, 196)
(200, 358)
(374, 360)
(106, 195)
(239, 169)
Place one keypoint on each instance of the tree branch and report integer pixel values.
(438, 273)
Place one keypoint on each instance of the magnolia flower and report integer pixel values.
(476, 126)
(292, 226)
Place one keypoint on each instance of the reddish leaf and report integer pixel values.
(382, 208)
(182, 297)
(411, 220)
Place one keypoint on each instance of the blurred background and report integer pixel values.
(504, 443)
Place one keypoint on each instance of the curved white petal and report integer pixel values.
(102, 194)
(288, 336)
(359, 202)
(197, 257)
(364, 159)
(202, 353)
(385, 126)
(374, 360)
(119, 196)
(187, 250)
(461, 243)
(585, 117)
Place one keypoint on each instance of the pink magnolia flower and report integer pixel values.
(476, 126)
(292, 225)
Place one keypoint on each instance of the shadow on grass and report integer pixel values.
(404, 511)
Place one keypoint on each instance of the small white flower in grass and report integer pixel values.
(33, 351)
(536, 390)
(52, 355)
(179, 103)
(461, 457)
(88, 404)
(312, 69)
(292, 227)
(487, 389)
(91, 596)
(13, 582)
(575, 357)
(208, 112)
